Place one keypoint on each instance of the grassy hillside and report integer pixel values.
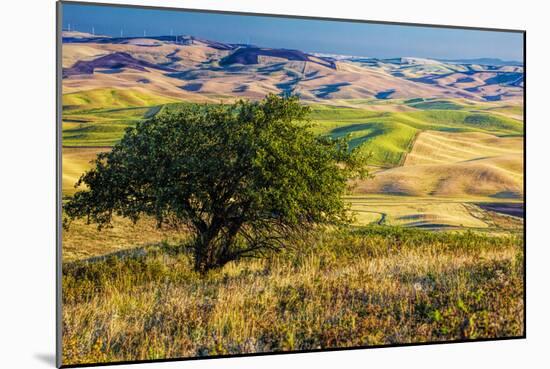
(515, 110)
(111, 98)
(433, 147)
(461, 121)
(483, 177)
(100, 117)
(455, 164)
(83, 241)
(434, 104)
(390, 135)
(327, 112)
(344, 288)
(386, 141)
(75, 163)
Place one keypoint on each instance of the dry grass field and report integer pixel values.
(432, 147)
(83, 241)
(342, 288)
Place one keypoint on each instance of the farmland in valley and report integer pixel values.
(435, 249)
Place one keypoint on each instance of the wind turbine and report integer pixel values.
(172, 34)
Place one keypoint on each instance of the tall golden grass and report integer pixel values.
(341, 288)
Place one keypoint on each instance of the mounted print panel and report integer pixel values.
(239, 184)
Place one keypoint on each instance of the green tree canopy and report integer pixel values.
(244, 178)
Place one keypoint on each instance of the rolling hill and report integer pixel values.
(442, 136)
(100, 117)
(109, 98)
(455, 164)
(198, 69)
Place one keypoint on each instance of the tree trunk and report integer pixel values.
(210, 253)
(203, 255)
(206, 250)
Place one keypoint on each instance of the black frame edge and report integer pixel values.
(313, 351)
(58, 184)
(524, 184)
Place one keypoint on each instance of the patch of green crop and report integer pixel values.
(323, 112)
(387, 141)
(104, 98)
(435, 105)
(95, 134)
(100, 117)
(460, 121)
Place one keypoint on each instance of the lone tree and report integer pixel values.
(245, 178)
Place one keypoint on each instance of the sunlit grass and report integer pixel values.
(344, 288)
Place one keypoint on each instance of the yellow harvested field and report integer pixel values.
(158, 84)
(75, 52)
(82, 241)
(85, 240)
(483, 177)
(141, 48)
(427, 211)
(433, 147)
(75, 162)
(454, 164)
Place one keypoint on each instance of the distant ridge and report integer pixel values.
(115, 60)
(80, 35)
(201, 69)
(483, 61)
(177, 39)
(249, 55)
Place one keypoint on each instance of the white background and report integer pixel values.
(27, 182)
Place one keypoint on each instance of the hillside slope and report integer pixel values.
(208, 69)
(455, 164)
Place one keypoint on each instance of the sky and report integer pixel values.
(335, 37)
